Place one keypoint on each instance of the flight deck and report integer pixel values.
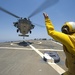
(26, 58)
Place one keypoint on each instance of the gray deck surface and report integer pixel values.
(18, 58)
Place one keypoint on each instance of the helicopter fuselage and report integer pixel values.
(24, 26)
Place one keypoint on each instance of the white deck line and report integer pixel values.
(29, 49)
(15, 48)
(49, 50)
(55, 66)
(57, 43)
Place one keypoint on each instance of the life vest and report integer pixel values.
(70, 60)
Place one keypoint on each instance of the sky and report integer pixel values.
(59, 13)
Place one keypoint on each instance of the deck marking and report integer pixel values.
(36, 50)
(29, 49)
(57, 68)
(50, 50)
(15, 48)
(39, 42)
(54, 65)
(57, 43)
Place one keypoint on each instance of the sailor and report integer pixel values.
(67, 38)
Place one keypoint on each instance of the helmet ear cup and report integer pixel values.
(65, 29)
(68, 28)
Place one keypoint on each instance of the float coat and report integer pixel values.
(68, 42)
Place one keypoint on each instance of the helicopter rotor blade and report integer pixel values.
(4, 10)
(39, 25)
(46, 4)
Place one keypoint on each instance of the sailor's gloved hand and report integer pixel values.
(45, 15)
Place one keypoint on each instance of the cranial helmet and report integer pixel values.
(68, 27)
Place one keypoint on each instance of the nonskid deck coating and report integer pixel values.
(26, 61)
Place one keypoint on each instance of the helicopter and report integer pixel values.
(24, 25)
